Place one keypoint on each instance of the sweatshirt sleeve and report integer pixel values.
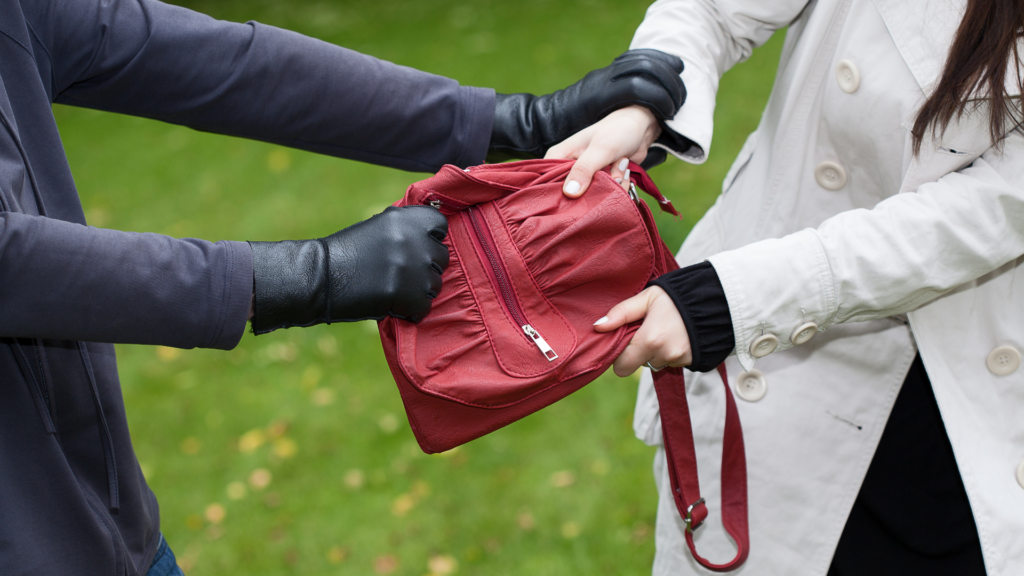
(150, 59)
(67, 281)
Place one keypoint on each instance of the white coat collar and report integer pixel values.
(923, 31)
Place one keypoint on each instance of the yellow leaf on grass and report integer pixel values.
(403, 504)
(251, 440)
(442, 564)
(191, 445)
(260, 478)
(215, 513)
(336, 554)
(285, 448)
(563, 479)
(167, 354)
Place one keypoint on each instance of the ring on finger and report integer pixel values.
(654, 368)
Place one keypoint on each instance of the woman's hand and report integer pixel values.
(661, 340)
(624, 134)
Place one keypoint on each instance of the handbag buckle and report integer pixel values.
(690, 528)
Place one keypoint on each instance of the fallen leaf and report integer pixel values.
(322, 397)
(442, 564)
(311, 377)
(328, 345)
(194, 521)
(260, 478)
(525, 521)
(251, 440)
(191, 445)
(336, 554)
(420, 489)
(279, 161)
(403, 504)
(385, 564)
(388, 423)
(355, 479)
(278, 428)
(236, 490)
(168, 354)
(285, 448)
(215, 513)
(563, 479)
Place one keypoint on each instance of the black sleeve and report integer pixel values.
(146, 58)
(701, 301)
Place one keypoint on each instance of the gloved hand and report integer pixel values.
(525, 126)
(389, 265)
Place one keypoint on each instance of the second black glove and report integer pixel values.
(525, 126)
(389, 265)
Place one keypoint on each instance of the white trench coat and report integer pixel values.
(828, 217)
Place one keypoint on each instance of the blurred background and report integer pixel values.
(291, 454)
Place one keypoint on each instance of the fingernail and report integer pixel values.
(572, 187)
(624, 164)
(618, 180)
(601, 320)
(625, 176)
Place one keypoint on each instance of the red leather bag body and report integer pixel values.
(512, 329)
(530, 272)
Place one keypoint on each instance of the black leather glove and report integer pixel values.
(525, 126)
(389, 265)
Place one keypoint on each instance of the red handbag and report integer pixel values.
(512, 329)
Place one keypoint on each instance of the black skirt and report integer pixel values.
(911, 515)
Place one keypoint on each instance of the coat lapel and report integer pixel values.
(923, 30)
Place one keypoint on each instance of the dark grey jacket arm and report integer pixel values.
(65, 281)
(150, 59)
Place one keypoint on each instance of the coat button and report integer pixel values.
(1004, 360)
(1020, 474)
(764, 345)
(847, 76)
(751, 386)
(803, 333)
(830, 175)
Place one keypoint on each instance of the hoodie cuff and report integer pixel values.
(700, 298)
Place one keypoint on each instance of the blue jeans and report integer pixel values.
(164, 563)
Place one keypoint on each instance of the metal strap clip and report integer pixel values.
(633, 193)
(689, 517)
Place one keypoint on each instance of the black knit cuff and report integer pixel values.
(698, 294)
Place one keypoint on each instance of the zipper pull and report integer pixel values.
(435, 204)
(540, 342)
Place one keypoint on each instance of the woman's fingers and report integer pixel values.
(620, 173)
(661, 340)
(624, 312)
(625, 133)
(599, 153)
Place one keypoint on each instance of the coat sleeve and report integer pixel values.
(710, 36)
(146, 58)
(865, 264)
(66, 281)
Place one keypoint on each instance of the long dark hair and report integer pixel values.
(983, 51)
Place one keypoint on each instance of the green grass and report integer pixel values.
(566, 491)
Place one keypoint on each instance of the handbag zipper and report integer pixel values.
(505, 286)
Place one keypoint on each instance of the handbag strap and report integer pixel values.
(640, 178)
(682, 465)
